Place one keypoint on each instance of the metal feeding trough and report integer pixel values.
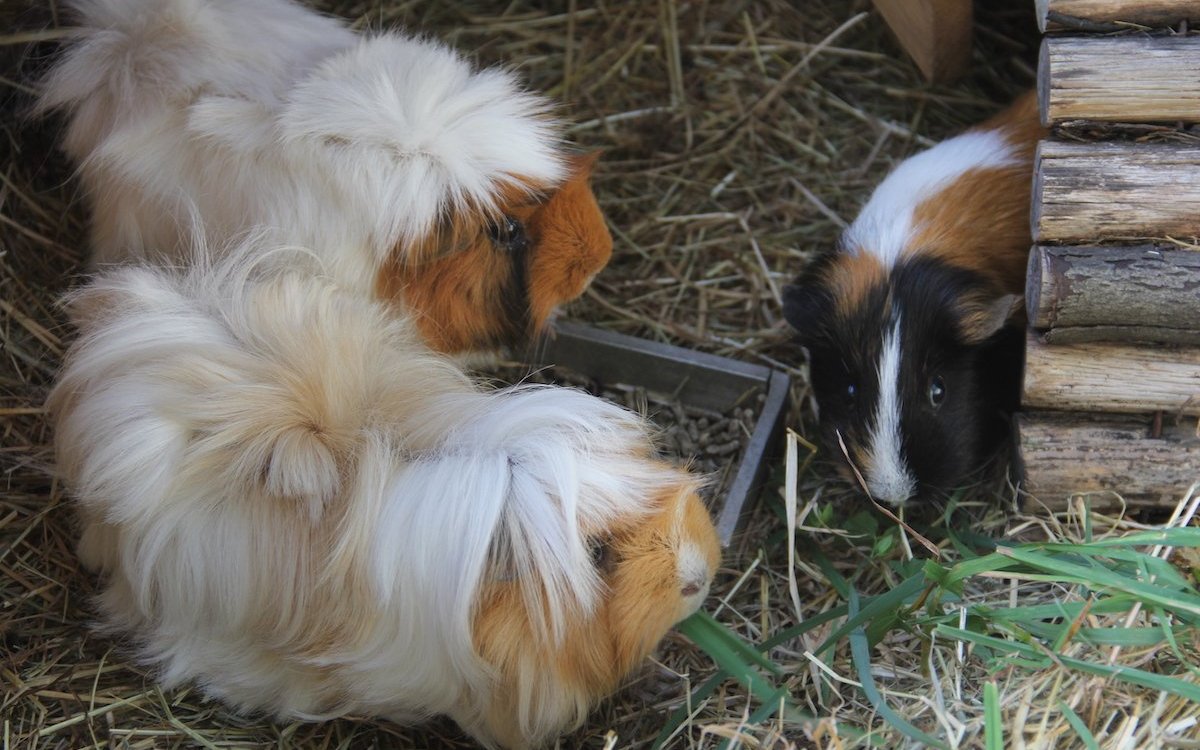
(694, 379)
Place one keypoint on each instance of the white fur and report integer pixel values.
(885, 227)
(295, 504)
(231, 115)
(888, 477)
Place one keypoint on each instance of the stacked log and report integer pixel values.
(1111, 397)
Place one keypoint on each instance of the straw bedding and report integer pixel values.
(738, 138)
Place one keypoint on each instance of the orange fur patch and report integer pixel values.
(572, 243)
(981, 220)
(453, 298)
(643, 601)
(1020, 122)
(850, 279)
(455, 293)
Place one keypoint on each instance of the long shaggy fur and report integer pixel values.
(296, 504)
(218, 117)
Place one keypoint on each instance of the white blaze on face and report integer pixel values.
(888, 477)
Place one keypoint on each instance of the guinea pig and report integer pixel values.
(295, 504)
(388, 154)
(913, 323)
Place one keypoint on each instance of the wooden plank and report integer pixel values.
(1084, 192)
(1120, 79)
(1106, 377)
(1060, 455)
(936, 34)
(1078, 14)
(1141, 293)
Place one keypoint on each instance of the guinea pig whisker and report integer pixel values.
(862, 482)
(933, 549)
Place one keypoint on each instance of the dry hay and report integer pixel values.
(738, 138)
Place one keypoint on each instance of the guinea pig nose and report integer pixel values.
(694, 572)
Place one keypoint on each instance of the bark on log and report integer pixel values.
(1061, 455)
(1054, 14)
(936, 34)
(1083, 192)
(1112, 377)
(1120, 79)
(1142, 293)
(1142, 334)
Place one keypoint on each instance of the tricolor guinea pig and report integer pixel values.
(444, 187)
(295, 504)
(913, 324)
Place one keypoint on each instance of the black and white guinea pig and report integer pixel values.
(913, 324)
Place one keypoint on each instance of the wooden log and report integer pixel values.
(1111, 377)
(1142, 293)
(1083, 192)
(936, 34)
(1119, 458)
(1108, 334)
(1120, 79)
(1079, 14)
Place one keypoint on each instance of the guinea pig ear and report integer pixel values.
(983, 318)
(803, 307)
(582, 165)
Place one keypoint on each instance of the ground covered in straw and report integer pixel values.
(738, 138)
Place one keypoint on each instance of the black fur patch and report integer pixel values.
(514, 311)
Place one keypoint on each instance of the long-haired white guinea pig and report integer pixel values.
(913, 324)
(420, 179)
(294, 503)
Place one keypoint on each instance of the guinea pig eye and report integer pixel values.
(851, 393)
(603, 556)
(507, 233)
(937, 391)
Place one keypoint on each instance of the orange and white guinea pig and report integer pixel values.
(420, 179)
(297, 505)
(913, 323)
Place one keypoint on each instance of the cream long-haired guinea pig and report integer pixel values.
(297, 505)
(420, 179)
(914, 323)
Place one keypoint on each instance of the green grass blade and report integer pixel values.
(796, 631)
(1097, 577)
(836, 580)
(1123, 637)
(993, 722)
(879, 606)
(702, 622)
(1162, 683)
(860, 654)
(1089, 741)
(1186, 536)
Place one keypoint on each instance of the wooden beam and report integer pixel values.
(1106, 377)
(936, 34)
(1061, 455)
(1080, 14)
(1120, 79)
(1143, 293)
(1084, 192)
